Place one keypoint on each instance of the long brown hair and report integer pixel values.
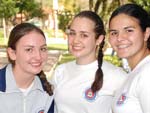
(99, 30)
(15, 35)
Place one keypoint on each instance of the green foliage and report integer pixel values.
(66, 57)
(7, 8)
(64, 18)
(61, 47)
(30, 8)
(67, 13)
(113, 59)
(144, 3)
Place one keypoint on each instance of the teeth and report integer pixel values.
(77, 47)
(122, 46)
(38, 64)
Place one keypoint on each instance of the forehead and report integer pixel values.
(123, 20)
(82, 23)
(32, 38)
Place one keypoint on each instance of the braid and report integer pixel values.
(47, 86)
(98, 82)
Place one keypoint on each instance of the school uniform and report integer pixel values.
(134, 97)
(72, 84)
(13, 100)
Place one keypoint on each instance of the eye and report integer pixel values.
(71, 33)
(129, 30)
(28, 49)
(44, 49)
(83, 35)
(113, 33)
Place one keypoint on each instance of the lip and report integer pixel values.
(77, 47)
(36, 64)
(122, 46)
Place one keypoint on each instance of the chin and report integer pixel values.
(36, 71)
(122, 56)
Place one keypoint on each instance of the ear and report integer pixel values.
(11, 53)
(99, 40)
(147, 34)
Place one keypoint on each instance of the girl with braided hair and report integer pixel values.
(23, 85)
(87, 84)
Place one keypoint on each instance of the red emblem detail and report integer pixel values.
(41, 111)
(89, 95)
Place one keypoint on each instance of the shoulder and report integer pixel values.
(110, 68)
(59, 72)
(143, 73)
(114, 76)
(60, 68)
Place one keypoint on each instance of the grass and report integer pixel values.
(62, 47)
(66, 57)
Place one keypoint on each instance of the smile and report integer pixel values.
(122, 46)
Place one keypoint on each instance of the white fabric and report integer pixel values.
(72, 80)
(27, 90)
(134, 97)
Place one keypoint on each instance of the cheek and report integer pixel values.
(70, 43)
(112, 41)
(70, 40)
(45, 56)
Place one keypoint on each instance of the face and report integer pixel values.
(127, 37)
(30, 54)
(81, 39)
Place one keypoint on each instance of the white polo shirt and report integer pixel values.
(72, 83)
(134, 97)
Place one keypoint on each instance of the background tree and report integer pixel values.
(144, 3)
(10, 8)
(7, 11)
(30, 8)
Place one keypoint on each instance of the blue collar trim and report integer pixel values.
(3, 79)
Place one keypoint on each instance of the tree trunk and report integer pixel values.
(4, 28)
(123, 2)
(91, 4)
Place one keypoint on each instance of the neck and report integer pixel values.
(23, 80)
(85, 61)
(133, 62)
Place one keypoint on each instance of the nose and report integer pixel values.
(121, 36)
(37, 55)
(77, 38)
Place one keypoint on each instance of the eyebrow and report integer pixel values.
(80, 31)
(110, 30)
(34, 46)
(129, 27)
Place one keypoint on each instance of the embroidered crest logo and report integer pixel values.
(41, 111)
(89, 95)
(122, 99)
